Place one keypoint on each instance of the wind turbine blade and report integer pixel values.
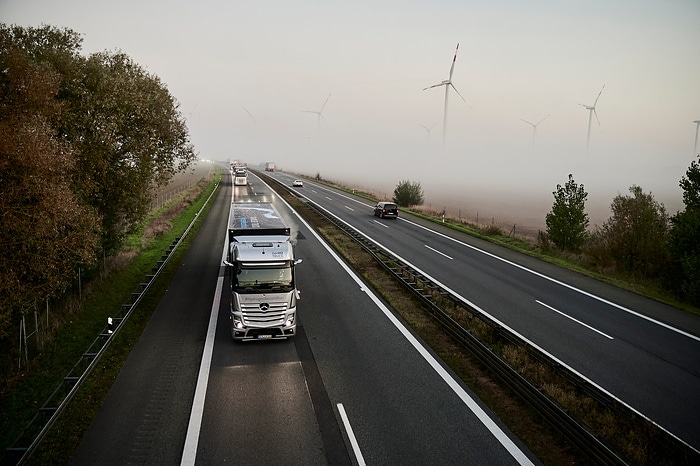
(542, 120)
(324, 103)
(454, 59)
(251, 115)
(532, 124)
(453, 87)
(596, 116)
(596, 99)
(435, 85)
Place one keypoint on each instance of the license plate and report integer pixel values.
(263, 337)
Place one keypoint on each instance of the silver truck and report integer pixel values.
(261, 264)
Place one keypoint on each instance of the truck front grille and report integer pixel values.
(254, 316)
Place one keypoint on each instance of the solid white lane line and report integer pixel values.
(189, 453)
(575, 320)
(351, 435)
(441, 253)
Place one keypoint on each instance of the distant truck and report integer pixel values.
(269, 166)
(261, 264)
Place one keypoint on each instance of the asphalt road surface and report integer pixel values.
(642, 352)
(353, 387)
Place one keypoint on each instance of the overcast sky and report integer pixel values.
(246, 72)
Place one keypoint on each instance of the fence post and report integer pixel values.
(22, 343)
(36, 327)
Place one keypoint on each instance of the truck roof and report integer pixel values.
(256, 218)
(271, 249)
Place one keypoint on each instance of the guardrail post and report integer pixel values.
(69, 382)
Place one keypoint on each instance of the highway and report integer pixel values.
(353, 387)
(644, 353)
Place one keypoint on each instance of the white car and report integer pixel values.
(298, 184)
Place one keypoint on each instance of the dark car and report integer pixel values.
(386, 210)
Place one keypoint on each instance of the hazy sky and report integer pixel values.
(517, 60)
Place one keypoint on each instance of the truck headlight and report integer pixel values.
(290, 320)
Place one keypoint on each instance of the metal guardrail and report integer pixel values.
(43, 420)
(428, 291)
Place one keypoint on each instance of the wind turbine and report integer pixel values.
(591, 111)
(428, 130)
(447, 83)
(695, 146)
(534, 129)
(319, 114)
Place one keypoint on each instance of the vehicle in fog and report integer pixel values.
(298, 184)
(240, 177)
(386, 210)
(269, 166)
(261, 264)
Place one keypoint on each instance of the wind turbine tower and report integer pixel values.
(447, 83)
(695, 146)
(534, 130)
(319, 114)
(591, 111)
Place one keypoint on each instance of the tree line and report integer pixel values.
(84, 141)
(639, 240)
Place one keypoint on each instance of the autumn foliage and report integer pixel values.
(83, 142)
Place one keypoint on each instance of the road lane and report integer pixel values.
(651, 362)
(404, 405)
(144, 417)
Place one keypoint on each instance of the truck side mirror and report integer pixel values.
(298, 261)
(227, 263)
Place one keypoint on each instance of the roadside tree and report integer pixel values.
(567, 222)
(636, 234)
(129, 137)
(46, 233)
(684, 241)
(408, 193)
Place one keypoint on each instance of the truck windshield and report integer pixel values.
(268, 278)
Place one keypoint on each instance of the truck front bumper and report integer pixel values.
(242, 332)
